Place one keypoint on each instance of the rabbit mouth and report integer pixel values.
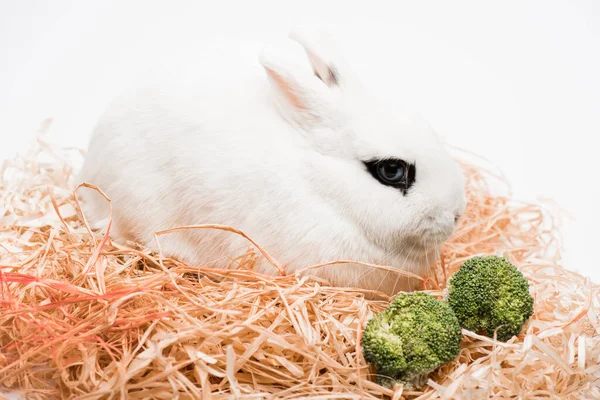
(438, 233)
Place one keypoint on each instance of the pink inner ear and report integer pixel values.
(317, 65)
(287, 90)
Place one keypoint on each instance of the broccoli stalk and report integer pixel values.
(489, 294)
(411, 338)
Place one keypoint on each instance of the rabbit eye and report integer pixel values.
(392, 172)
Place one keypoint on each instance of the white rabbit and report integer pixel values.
(311, 167)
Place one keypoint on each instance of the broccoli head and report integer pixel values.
(412, 337)
(489, 293)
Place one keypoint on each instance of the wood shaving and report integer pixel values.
(84, 317)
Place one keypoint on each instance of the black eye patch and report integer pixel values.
(393, 172)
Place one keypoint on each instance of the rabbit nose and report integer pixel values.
(457, 218)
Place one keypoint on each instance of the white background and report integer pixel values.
(514, 81)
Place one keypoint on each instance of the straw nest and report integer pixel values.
(83, 317)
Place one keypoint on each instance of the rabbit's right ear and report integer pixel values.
(323, 56)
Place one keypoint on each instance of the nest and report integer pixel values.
(84, 317)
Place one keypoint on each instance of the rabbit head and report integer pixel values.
(385, 171)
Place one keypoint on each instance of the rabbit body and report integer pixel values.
(285, 162)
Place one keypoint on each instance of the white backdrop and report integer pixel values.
(517, 82)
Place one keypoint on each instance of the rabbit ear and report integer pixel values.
(300, 97)
(322, 55)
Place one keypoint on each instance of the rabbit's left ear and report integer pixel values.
(322, 54)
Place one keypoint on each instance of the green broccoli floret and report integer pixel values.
(411, 338)
(489, 293)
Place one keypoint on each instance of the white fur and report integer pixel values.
(232, 149)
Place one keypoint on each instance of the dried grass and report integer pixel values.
(83, 317)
